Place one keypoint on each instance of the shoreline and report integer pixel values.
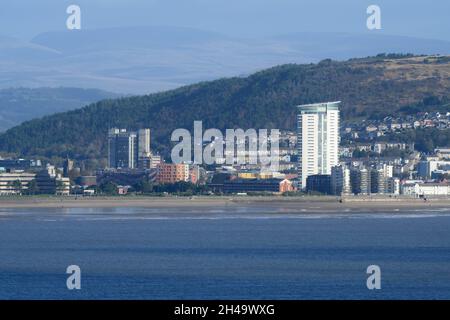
(318, 202)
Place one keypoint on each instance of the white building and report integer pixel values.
(9, 182)
(443, 152)
(62, 186)
(426, 168)
(318, 139)
(393, 186)
(426, 189)
(155, 160)
(144, 143)
(388, 170)
(144, 150)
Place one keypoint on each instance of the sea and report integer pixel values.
(243, 252)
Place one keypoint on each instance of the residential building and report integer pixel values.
(378, 181)
(62, 185)
(144, 150)
(340, 180)
(318, 139)
(360, 181)
(419, 189)
(393, 186)
(172, 173)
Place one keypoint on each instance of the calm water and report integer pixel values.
(240, 253)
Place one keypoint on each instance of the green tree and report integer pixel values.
(144, 186)
(109, 188)
(16, 186)
(32, 188)
(266, 99)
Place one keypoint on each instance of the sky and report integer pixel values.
(25, 19)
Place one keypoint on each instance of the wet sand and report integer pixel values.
(309, 202)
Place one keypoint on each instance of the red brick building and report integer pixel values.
(172, 173)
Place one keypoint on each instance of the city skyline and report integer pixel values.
(224, 158)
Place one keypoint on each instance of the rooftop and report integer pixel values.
(320, 107)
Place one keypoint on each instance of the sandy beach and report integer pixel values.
(309, 202)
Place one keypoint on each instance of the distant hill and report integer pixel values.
(143, 60)
(20, 104)
(369, 88)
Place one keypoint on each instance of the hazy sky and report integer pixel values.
(417, 18)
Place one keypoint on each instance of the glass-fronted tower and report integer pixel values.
(122, 149)
(318, 139)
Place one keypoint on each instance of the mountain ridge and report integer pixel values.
(142, 60)
(368, 87)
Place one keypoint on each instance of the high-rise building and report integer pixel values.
(340, 180)
(128, 150)
(393, 186)
(144, 150)
(67, 167)
(318, 139)
(378, 181)
(360, 181)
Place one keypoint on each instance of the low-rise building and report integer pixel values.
(19, 164)
(15, 182)
(172, 173)
(426, 189)
(258, 185)
(319, 183)
(62, 186)
(45, 181)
